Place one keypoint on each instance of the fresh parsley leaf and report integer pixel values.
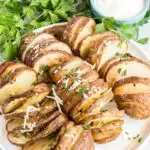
(140, 140)
(45, 68)
(100, 28)
(126, 31)
(82, 90)
(71, 73)
(121, 55)
(143, 41)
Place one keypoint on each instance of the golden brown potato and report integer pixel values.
(37, 122)
(87, 43)
(40, 91)
(45, 107)
(77, 29)
(72, 29)
(53, 126)
(95, 89)
(56, 29)
(124, 68)
(104, 50)
(96, 107)
(20, 81)
(104, 69)
(105, 137)
(47, 143)
(34, 43)
(132, 85)
(105, 126)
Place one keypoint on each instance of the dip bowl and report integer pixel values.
(97, 12)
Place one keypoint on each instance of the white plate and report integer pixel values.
(133, 127)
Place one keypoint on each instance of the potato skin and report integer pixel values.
(105, 137)
(85, 141)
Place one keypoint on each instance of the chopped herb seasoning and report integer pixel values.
(140, 140)
(87, 127)
(126, 55)
(136, 136)
(34, 84)
(71, 73)
(45, 68)
(78, 79)
(53, 136)
(103, 110)
(134, 84)
(82, 90)
(124, 72)
(119, 70)
(54, 86)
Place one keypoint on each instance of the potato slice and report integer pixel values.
(51, 58)
(70, 95)
(20, 81)
(140, 98)
(18, 138)
(85, 142)
(134, 109)
(35, 42)
(55, 125)
(106, 49)
(56, 29)
(104, 69)
(71, 67)
(70, 138)
(41, 144)
(89, 42)
(96, 89)
(125, 68)
(46, 107)
(25, 42)
(50, 45)
(98, 120)
(11, 68)
(105, 137)
(34, 51)
(37, 122)
(65, 128)
(96, 107)
(46, 143)
(72, 29)
(4, 65)
(132, 85)
(87, 28)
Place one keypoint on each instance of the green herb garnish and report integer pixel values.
(71, 73)
(126, 55)
(53, 136)
(124, 72)
(103, 110)
(82, 90)
(87, 127)
(126, 31)
(18, 17)
(140, 140)
(45, 68)
(143, 41)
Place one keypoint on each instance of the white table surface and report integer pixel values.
(145, 32)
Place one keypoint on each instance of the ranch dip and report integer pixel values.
(120, 9)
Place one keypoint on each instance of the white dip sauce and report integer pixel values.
(120, 9)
